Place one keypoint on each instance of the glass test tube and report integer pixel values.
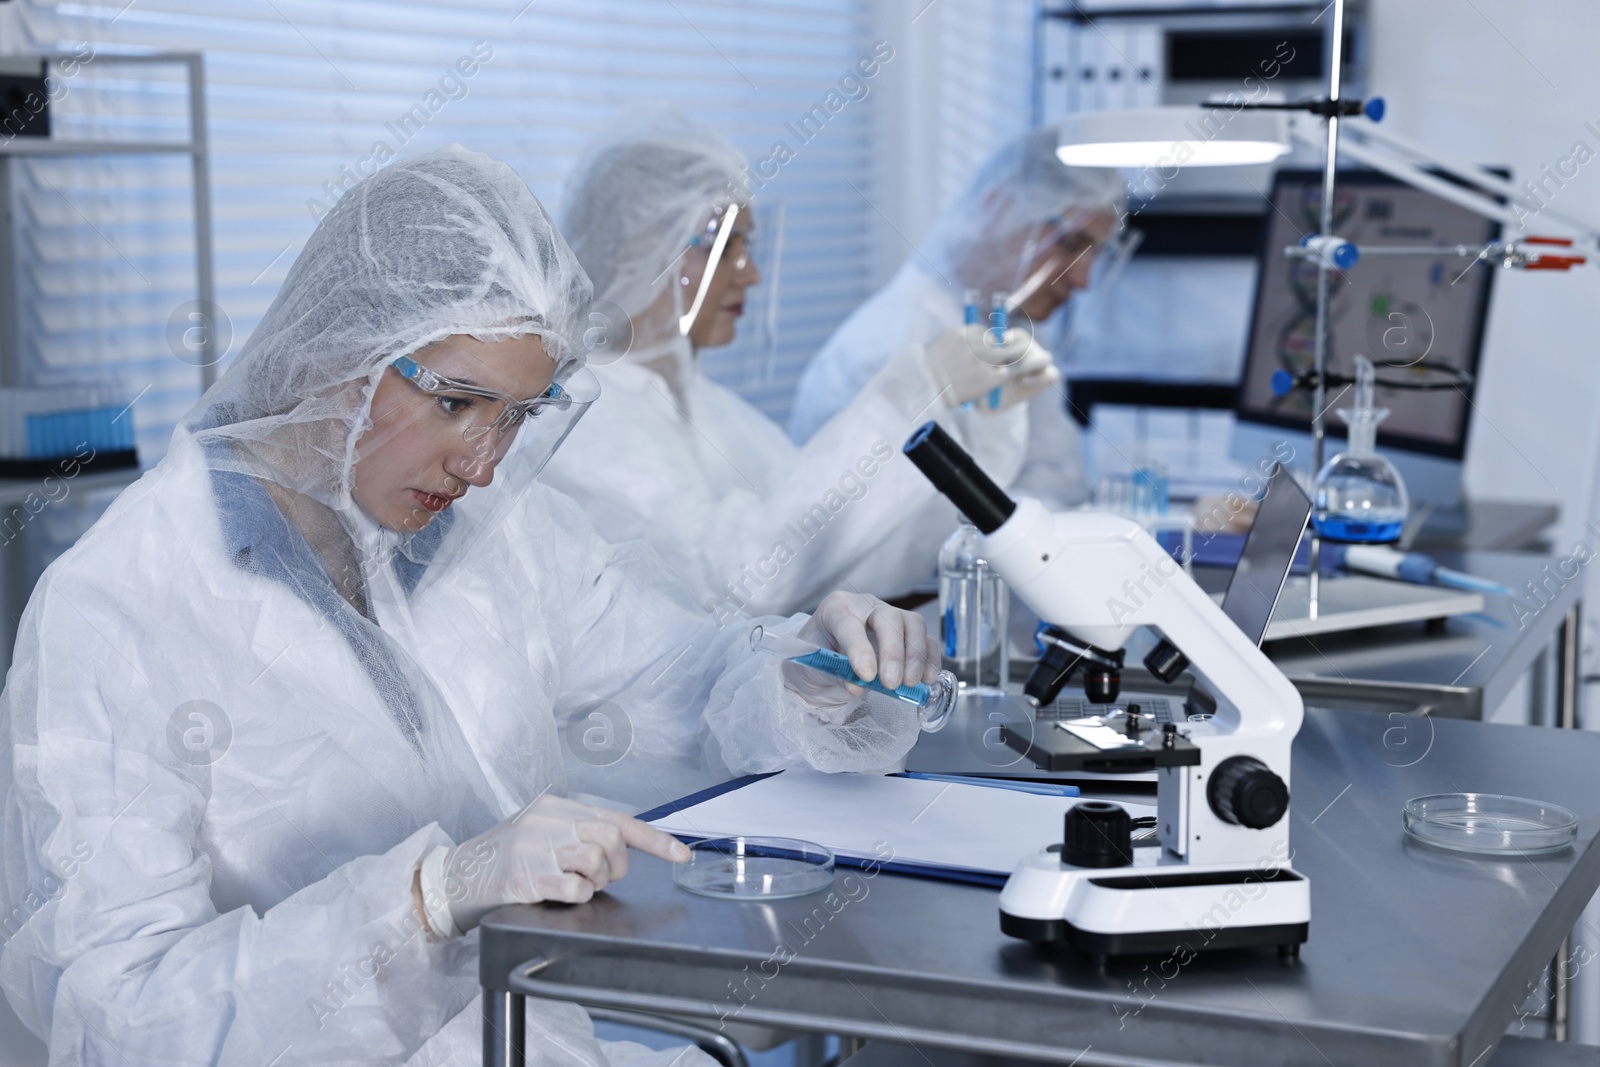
(934, 703)
(999, 318)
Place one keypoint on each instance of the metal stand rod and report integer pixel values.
(1567, 683)
(1561, 992)
(1319, 398)
(1568, 679)
(848, 1047)
(505, 1024)
(204, 281)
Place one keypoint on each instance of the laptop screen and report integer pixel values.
(1268, 552)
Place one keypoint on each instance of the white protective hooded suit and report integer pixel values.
(749, 520)
(973, 245)
(222, 773)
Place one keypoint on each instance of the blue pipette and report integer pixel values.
(1387, 562)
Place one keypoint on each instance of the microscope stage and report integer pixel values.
(1055, 749)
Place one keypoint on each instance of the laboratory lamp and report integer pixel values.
(1170, 137)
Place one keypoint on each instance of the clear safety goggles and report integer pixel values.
(723, 237)
(730, 240)
(514, 438)
(1066, 237)
(482, 413)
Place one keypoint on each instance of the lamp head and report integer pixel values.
(1171, 137)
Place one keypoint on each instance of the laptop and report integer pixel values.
(970, 743)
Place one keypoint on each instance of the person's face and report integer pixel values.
(718, 319)
(421, 452)
(1066, 260)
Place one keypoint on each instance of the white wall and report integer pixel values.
(961, 85)
(1513, 82)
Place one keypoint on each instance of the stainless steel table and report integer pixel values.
(1497, 525)
(1417, 957)
(1513, 1052)
(1469, 666)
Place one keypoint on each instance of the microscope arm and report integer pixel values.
(1100, 577)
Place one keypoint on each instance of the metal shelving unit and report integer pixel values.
(14, 584)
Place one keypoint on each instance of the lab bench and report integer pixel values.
(1513, 1052)
(1417, 957)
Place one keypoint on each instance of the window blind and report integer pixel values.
(304, 96)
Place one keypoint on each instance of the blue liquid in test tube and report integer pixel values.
(935, 701)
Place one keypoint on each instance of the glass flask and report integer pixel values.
(974, 609)
(1359, 495)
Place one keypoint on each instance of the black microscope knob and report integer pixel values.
(1246, 792)
(1098, 834)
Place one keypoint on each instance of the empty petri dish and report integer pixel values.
(1490, 824)
(755, 868)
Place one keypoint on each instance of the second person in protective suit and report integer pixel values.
(658, 215)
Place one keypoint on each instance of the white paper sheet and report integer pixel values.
(966, 827)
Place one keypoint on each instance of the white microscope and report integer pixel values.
(1222, 877)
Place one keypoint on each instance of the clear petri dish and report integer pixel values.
(1490, 824)
(755, 868)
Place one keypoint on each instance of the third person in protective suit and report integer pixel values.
(1027, 226)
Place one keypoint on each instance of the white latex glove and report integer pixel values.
(553, 849)
(969, 366)
(880, 641)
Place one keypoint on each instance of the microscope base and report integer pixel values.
(1110, 912)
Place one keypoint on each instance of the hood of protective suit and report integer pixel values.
(636, 199)
(443, 244)
(980, 237)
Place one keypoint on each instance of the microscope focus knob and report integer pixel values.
(1245, 792)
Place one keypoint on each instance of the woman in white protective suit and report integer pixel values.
(291, 718)
(658, 215)
(1025, 224)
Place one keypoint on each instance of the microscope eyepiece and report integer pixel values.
(957, 475)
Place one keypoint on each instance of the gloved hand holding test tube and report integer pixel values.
(934, 703)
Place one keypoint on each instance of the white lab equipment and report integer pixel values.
(1223, 786)
(749, 520)
(1023, 191)
(1169, 138)
(241, 713)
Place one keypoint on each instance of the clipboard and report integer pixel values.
(969, 834)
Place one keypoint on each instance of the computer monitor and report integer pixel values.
(1395, 308)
